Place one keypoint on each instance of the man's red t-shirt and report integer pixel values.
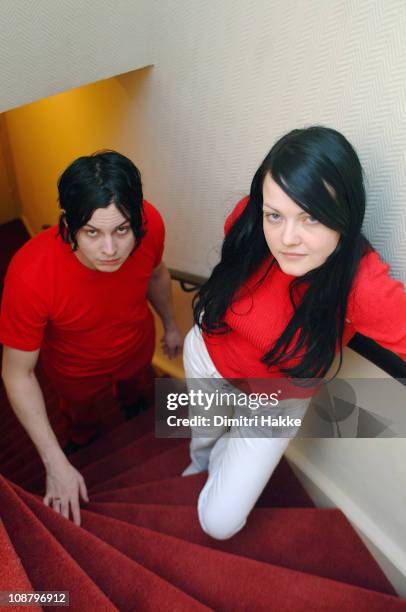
(86, 322)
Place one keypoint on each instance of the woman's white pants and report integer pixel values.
(239, 465)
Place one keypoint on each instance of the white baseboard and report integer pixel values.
(325, 493)
(27, 226)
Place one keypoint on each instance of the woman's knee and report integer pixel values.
(216, 524)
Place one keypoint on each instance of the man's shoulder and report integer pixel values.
(36, 252)
(152, 214)
(154, 226)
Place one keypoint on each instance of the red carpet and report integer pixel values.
(140, 546)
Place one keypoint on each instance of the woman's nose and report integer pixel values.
(290, 234)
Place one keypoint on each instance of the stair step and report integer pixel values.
(133, 454)
(13, 576)
(168, 463)
(120, 436)
(47, 564)
(281, 536)
(170, 491)
(225, 581)
(283, 489)
(126, 583)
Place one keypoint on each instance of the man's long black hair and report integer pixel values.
(96, 181)
(320, 171)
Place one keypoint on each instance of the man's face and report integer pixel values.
(290, 230)
(106, 240)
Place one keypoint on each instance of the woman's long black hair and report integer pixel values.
(95, 181)
(320, 171)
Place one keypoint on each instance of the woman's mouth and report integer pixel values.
(293, 255)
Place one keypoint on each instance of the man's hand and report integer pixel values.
(172, 342)
(64, 484)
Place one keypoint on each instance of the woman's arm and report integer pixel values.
(377, 305)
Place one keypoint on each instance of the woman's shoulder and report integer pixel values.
(235, 213)
(373, 285)
(371, 267)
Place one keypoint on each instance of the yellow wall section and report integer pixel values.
(46, 136)
(9, 203)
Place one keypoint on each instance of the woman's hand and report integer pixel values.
(64, 485)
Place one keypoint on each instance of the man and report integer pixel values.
(76, 296)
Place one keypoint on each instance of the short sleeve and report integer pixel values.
(377, 305)
(157, 228)
(233, 216)
(23, 315)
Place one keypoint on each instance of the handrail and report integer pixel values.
(388, 361)
(188, 282)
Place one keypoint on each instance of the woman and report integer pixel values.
(296, 280)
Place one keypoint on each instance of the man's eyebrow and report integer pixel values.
(97, 228)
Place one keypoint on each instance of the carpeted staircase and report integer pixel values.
(140, 546)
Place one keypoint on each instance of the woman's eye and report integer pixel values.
(272, 217)
(91, 233)
(122, 230)
(312, 220)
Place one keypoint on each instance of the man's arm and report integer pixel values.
(160, 296)
(63, 482)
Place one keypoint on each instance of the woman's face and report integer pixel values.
(298, 242)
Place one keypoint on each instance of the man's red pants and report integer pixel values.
(87, 402)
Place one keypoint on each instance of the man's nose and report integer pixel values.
(109, 246)
(290, 234)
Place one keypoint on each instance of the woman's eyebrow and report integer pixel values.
(266, 205)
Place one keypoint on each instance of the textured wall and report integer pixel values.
(231, 77)
(49, 46)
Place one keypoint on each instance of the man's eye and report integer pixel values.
(91, 232)
(123, 230)
(312, 220)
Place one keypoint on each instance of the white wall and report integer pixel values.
(230, 77)
(49, 46)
